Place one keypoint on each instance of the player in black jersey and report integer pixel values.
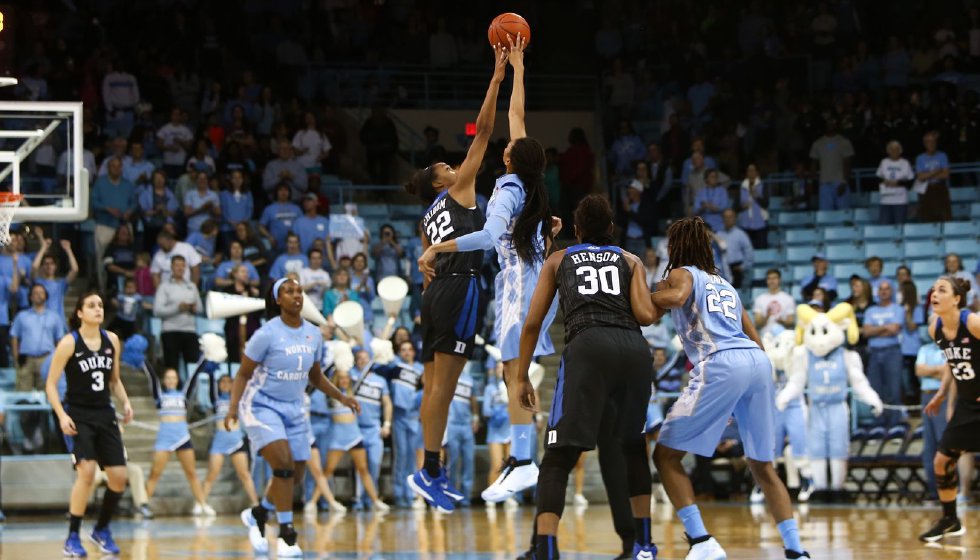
(453, 301)
(88, 357)
(957, 333)
(605, 368)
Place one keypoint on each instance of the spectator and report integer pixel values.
(738, 250)
(136, 169)
(663, 194)
(158, 207)
(896, 65)
(113, 203)
(314, 279)
(175, 139)
(775, 306)
(177, 301)
(820, 278)
(932, 177)
(8, 301)
(311, 145)
(434, 152)
(632, 222)
(954, 267)
(874, 267)
(162, 265)
(930, 367)
(267, 113)
(117, 148)
(204, 241)
(236, 257)
(120, 95)
(860, 301)
(128, 305)
(882, 327)
(286, 170)
(576, 170)
(293, 260)
(277, 218)
(651, 267)
(252, 249)
(627, 148)
(380, 139)
(351, 234)
(442, 46)
(201, 204)
(700, 95)
(902, 275)
(241, 284)
(896, 177)
(621, 89)
(674, 141)
(33, 336)
(910, 339)
(704, 162)
(237, 205)
(362, 282)
(831, 154)
(311, 226)
(339, 293)
(387, 253)
(712, 200)
(202, 159)
(753, 217)
(45, 268)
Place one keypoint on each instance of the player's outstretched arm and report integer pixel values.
(516, 113)
(544, 294)
(674, 291)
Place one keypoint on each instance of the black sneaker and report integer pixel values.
(529, 554)
(793, 555)
(945, 527)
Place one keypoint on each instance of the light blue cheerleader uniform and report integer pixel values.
(174, 436)
(226, 442)
(495, 411)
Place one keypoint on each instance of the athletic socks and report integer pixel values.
(266, 504)
(693, 524)
(431, 464)
(520, 441)
(74, 523)
(641, 525)
(110, 500)
(949, 509)
(284, 518)
(546, 547)
(287, 532)
(791, 535)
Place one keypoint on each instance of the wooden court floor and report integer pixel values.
(746, 533)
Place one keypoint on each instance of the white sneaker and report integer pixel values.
(516, 477)
(197, 509)
(418, 503)
(706, 550)
(283, 550)
(208, 511)
(661, 494)
(259, 543)
(337, 507)
(511, 504)
(310, 509)
(381, 507)
(490, 506)
(757, 497)
(580, 501)
(806, 490)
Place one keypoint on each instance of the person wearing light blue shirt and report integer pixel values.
(136, 168)
(739, 254)
(374, 421)
(222, 274)
(6, 292)
(932, 169)
(710, 201)
(406, 377)
(882, 327)
(930, 366)
(460, 444)
(311, 226)
(290, 261)
(201, 204)
(277, 218)
(819, 279)
(874, 265)
(237, 204)
(33, 336)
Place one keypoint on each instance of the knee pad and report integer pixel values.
(553, 478)
(947, 477)
(638, 477)
(283, 473)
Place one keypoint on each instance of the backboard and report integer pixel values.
(42, 159)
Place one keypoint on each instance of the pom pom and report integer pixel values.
(343, 355)
(134, 351)
(213, 347)
(382, 350)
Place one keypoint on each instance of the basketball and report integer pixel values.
(506, 24)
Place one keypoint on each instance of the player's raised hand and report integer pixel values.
(525, 392)
(515, 50)
(65, 245)
(500, 57)
(555, 226)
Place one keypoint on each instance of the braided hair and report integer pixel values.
(689, 244)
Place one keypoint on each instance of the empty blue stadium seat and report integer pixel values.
(966, 248)
(886, 250)
(8, 377)
(844, 271)
(882, 232)
(928, 267)
(923, 249)
(842, 250)
(373, 210)
(795, 219)
(775, 203)
(843, 289)
(923, 286)
(975, 210)
(834, 217)
(961, 211)
(963, 194)
(799, 254)
(767, 256)
(410, 211)
(841, 233)
(961, 229)
(205, 325)
(801, 271)
(802, 237)
(921, 231)
(864, 216)
(758, 291)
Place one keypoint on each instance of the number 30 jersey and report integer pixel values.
(446, 219)
(88, 372)
(594, 289)
(963, 356)
(711, 318)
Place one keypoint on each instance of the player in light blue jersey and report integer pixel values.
(520, 227)
(279, 360)
(731, 375)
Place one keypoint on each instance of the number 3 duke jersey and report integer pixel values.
(594, 289)
(88, 372)
(963, 356)
(446, 219)
(711, 318)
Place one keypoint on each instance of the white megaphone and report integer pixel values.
(221, 305)
(392, 291)
(349, 317)
(311, 313)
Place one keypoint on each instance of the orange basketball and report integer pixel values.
(506, 24)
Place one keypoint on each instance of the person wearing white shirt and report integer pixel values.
(314, 279)
(775, 306)
(175, 139)
(169, 246)
(312, 146)
(896, 176)
(120, 95)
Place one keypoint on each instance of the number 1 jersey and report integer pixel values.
(594, 289)
(711, 318)
(446, 219)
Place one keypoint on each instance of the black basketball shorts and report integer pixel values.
(98, 436)
(604, 370)
(961, 432)
(452, 312)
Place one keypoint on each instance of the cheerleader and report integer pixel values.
(174, 437)
(229, 443)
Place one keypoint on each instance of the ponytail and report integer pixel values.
(528, 162)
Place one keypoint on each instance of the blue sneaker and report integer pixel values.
(103, 538)
(432, 490)
(448, 489)
(644, 552)
(73, 547)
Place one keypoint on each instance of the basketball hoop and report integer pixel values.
(8, 203)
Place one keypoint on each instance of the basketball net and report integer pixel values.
(8, 203)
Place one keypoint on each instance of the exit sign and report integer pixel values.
(471, 129)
